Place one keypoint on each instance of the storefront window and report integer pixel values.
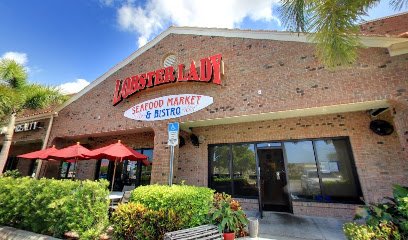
(244, 165)
(104, 169)
(233, 169)
(146, 170)
(302, 170)
(220, 166)
(319, 170)
(128, 173)
(67, 170)
(339, 183)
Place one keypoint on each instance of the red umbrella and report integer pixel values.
(117, 152)
(40, 154)
(71, 153)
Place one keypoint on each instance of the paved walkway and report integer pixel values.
(9, 233)
(283, 226)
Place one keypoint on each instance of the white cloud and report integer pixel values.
(20, 58)
(156, 14)
(73, 87)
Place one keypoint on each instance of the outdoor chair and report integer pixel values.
(126, 197)
(207, 232)
(128, 188)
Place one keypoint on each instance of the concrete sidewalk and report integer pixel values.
(284, 226)
(9, 233)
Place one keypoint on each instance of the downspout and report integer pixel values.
(44, 146)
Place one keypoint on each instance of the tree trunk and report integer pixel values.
(7, 142)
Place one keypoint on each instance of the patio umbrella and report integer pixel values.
(40, 154)
(71, 154)
(117, 152)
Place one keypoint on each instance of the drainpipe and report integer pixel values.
(44, 146)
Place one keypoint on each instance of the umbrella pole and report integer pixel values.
(75, 168)
(113, 178)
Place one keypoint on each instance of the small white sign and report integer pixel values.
(167, 107)
(26, 127)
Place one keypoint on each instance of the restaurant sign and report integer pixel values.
(26, 127)
(209, 69)
(167, 107)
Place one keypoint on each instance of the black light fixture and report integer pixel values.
(194, 140)
(182, 141)
(381, 127)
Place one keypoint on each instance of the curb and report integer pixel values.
(9, 233)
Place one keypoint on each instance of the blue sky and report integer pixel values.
(75, 41)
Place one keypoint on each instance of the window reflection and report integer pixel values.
(244, 165)
(338, 182)
(103, 172)
(302, 170)
(67, 170)
(128, 173)
(146, 170)
(220, 162)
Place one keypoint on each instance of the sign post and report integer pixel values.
(173, 130)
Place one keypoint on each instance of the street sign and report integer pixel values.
(173, 130)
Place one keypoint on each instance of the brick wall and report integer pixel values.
(379, 159)
(24, 166)
(386, 26)
(289, 77)
(30, 136)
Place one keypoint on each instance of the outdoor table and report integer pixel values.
(115, 196)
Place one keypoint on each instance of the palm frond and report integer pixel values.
(10, 100)
(293, 14)
(12, 73)
(334, 24)
(399, 4)
(38, 96)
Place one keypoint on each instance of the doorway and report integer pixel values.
(273, 183)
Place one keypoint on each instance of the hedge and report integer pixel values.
(189, 203)
(135, 221)
(53, 207)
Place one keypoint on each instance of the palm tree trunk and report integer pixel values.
(7, 142)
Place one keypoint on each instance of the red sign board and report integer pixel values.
(210, 69)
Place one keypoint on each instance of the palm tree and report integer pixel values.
(16, 95)
(333, 24)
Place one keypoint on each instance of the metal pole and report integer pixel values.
(114, 173)
(171, 165)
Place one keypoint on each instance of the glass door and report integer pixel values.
(273, 183)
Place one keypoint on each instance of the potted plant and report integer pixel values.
(229, 217)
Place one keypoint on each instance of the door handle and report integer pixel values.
(278, 175)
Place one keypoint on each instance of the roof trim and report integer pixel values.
(35, 117)
(367, 41)
(383, 18)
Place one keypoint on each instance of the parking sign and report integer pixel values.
(173, 130)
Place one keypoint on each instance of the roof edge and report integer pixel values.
(383, 18)
(368, 41)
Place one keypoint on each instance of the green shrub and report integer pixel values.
(383, 231)
(190, 204)
(54, 207)
(12, 173)
(135, 221)
(387, 220)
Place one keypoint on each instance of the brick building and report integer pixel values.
(30, 134)
(279, 131)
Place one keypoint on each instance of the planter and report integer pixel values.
(253, 227)
(229, 236)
